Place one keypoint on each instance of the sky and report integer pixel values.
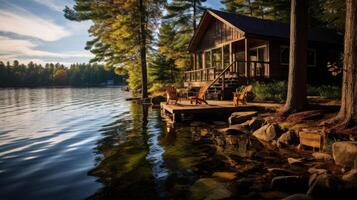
(36, 30)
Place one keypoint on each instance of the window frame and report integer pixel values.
(308, 49)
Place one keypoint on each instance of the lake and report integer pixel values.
(77, 143)
(89, 143)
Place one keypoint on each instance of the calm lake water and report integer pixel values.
(78, 143)
(49, 139)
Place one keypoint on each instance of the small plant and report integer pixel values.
(270, 91)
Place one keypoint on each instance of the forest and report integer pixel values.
(32, 74)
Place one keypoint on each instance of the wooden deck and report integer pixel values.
(184, 107)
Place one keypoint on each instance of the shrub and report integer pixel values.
(277, 91)
(330, 92)
(325, 91)
(270, 91)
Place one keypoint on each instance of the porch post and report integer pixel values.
(230, 53)
(222, 57)
(246, 57)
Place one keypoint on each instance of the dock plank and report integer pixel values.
(184, 107)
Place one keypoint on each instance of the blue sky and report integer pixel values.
(35, 30)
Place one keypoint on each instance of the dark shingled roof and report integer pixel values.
(252, 25)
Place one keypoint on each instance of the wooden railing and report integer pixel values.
(256, 70)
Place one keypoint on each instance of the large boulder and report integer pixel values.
(240, 117)
(350, 177)
(267, 132)
(345, 153)
(255, 123)
(236, 129)
(288, 138)
(209, 188)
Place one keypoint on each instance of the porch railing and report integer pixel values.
(256, 70)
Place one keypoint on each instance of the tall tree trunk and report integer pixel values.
(144, 85)
(296, 97)
(194, 15)
(347, 115)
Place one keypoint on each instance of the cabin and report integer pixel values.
(230, 49)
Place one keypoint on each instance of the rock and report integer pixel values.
(220, 141)
(231, 139)
(313, 170)
(156, 100)
(298, 197)
(255, 123)
(280, 171)
(209, 188)
(345, 153)
(293, 161)
(198, 124)
(219, 123)
(289, 183)
(288, 138)
(236, 129)
(240, 117)
(203, 132)
(266, 133)
(350, 177)
(225, 175)
(323, 185)
(322, 156)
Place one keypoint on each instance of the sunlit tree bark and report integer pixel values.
(347, 115)
(296, 97)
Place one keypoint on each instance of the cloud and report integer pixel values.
(19, 21)
(57, 5)
(13, 48)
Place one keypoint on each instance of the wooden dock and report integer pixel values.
(184, 107)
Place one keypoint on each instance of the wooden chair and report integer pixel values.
(171, 95)
(200, 96)
(241, 96)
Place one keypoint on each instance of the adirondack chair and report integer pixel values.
(171, 95)
(241, 96)
(200, 96)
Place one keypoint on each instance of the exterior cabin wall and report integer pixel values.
(317, 73)
(216, 34)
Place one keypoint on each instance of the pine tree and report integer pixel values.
(182, 15)
(122, 31)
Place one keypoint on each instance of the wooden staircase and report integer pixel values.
(219, 92)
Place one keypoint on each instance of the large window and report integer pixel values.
(208, 59)
(284, 56)
(199, 60)
(217, 58)
(226, 56)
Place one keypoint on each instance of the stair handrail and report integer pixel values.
(221, 74)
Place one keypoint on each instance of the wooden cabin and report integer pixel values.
(229, 49)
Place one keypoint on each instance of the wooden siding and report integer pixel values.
(218, 33)
(315, 74)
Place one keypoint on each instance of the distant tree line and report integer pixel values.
(32, 74)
